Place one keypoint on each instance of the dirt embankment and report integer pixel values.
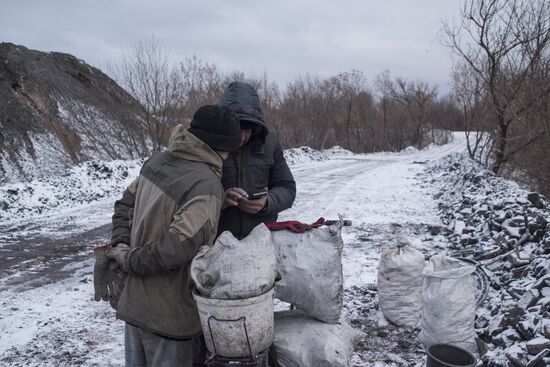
(57, 110)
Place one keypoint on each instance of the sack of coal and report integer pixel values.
(310, 266)
(448, 304)
(236, 269)
(400, 277)
(305, 342)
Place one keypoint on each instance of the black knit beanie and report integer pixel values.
(218, 127)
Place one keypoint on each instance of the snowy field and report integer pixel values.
(48, 316)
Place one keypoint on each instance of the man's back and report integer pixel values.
(162, 214)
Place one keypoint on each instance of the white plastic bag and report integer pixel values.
(233, 269)
(301, 341)
(310, 265)
(448, 304)
(400, 276)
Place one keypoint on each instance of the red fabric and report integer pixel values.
(295, 226)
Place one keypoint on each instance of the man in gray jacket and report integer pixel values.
(164, 216)
(257, 181)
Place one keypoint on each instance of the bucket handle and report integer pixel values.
(243, 318)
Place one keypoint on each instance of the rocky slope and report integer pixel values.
(56, 110)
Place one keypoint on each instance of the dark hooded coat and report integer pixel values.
(259, 163)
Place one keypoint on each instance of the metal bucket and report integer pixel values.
(237, 328)
(445, 355)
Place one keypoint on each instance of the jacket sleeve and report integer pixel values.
(282, 187)
(123, 215)
(193, 225)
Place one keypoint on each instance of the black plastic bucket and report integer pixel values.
(445, 355)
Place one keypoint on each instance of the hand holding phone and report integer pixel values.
(257, 195)
(255, 202)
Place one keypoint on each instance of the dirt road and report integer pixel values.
(48, 317)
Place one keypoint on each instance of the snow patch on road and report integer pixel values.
(380, 193)
(59, 325)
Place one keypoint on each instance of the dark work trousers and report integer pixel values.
(199, 351)
(145, 349)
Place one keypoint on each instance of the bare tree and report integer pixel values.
(310, 107)
(383, 87)
(470, 94)
(417, 97)
(504, 43)
(148, 75)
(350, 85)
(410, 104)
(201, 83)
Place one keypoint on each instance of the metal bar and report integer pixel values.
(243, 318)
(212, 334)
(247, 339)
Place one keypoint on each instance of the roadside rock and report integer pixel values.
(537, 345)
(505, 230)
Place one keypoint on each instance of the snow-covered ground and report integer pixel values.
(50, 320)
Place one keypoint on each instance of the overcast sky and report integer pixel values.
(283, 38)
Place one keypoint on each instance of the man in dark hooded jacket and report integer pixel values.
(257, 181)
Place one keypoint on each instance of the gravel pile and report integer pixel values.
(82, 184)
(505, 230)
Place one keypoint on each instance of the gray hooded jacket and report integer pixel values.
(166, 215)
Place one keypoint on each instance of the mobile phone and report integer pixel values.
(257, 195)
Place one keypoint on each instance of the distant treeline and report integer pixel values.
(344, 110)
(500, 97)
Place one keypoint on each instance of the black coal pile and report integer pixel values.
(84, 183)
(505, 231)
(56, 111)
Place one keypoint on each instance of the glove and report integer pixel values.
(109, 278)
(120, 255)
(295, 226)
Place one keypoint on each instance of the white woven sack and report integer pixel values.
(400, 276)
(310, 265)
(301, 341)
(448, 304)
(233, 269)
